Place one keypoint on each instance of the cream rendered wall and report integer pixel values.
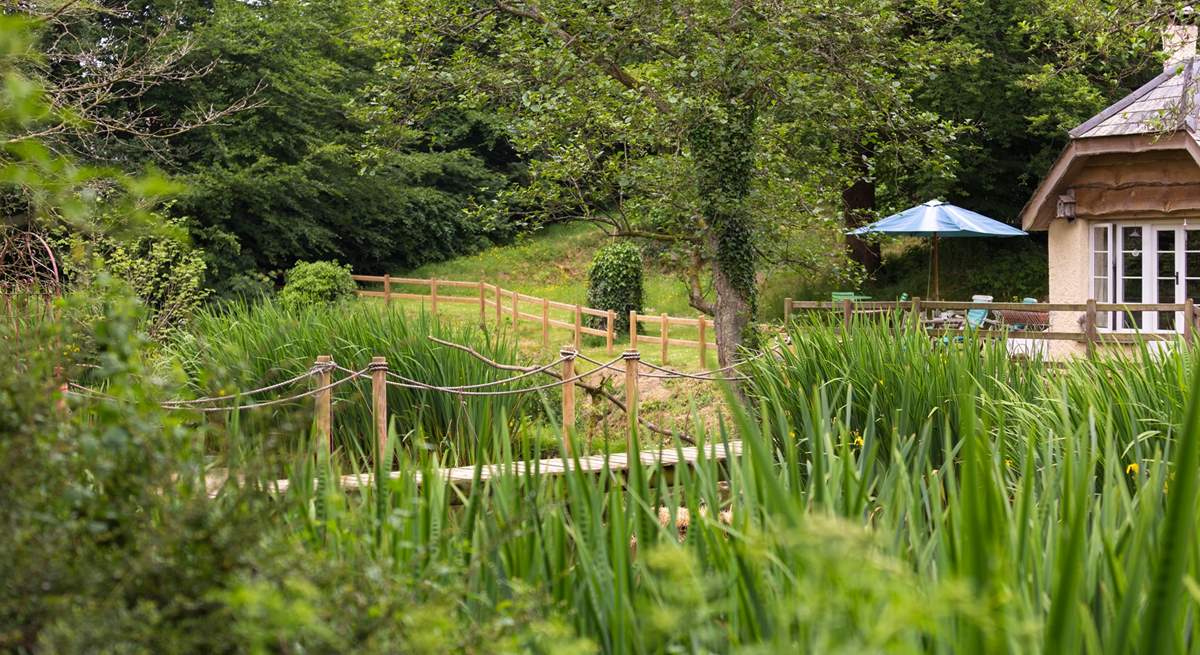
(1069, 250)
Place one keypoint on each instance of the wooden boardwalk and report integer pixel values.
(666, 459)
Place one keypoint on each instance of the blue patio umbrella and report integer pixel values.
(937, 219)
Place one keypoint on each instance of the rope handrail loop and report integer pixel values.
(242, 394)
(407, 383)
(87, 392)
(482, 385)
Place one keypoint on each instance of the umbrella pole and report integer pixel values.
(934, 254)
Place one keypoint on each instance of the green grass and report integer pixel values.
(987, 509)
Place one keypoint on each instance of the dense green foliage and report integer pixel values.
(615, 281)
(291, 179)
(246, 346)
(957, 506)
(315, 283)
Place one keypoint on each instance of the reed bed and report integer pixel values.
(245, 346)
(896, 495)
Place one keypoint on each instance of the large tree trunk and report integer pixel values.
(857, 202)
(723, 148)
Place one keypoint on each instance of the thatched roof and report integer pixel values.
(1165, 104)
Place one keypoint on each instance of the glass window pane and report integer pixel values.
(1100, 289)
(1131, 238)
(1100, 263)
(1166, 320)
(1100, 238)
(1131, 289)
(1166, 291)
(1192, 265)
(1192, 239)
(1133, 320)
(1166, 264)
(1166, 240)
(1193, 289)
(1131, 263)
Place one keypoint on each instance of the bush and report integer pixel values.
(162, 269)
(315, 283)
(615, 282)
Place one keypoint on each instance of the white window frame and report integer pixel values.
(1149, 270)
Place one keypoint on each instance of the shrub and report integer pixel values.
(615, 282)
(315, 283)
(162, 269)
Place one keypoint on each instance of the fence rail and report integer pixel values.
(500, 304)
(1090, 332)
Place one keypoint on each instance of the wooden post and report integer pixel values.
(703, 344)
(499, 306)
(516, 316)
(1089, 326)
(324, 399)
(847, 315)
(1189, 322)
(608, 329)
(482, 305)
(664, 332)
(787, 310)
(378, 369)
(578, 326)
(632, 357)
(387, 289)
(916, 312)
(433, 296)
(633, 329)
(568, 397)
(545, 323)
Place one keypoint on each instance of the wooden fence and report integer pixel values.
(500, 304)
(922, 314)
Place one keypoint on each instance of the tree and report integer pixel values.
(306, 174)
(712, 128)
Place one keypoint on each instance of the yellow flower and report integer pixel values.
(1008, 462)
(1132, 469)
(858, 442)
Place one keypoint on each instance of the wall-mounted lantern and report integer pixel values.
(1066, 205)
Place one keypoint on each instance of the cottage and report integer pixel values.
(1122, 203)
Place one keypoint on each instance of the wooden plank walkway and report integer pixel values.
(665, 459)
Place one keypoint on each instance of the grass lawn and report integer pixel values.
(553, 264)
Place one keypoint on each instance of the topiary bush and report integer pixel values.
(615, 282)
(315, 283)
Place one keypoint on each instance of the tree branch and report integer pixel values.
(530, 11)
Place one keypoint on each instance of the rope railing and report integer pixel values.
(382, 378)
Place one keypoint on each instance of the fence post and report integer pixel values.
(703, 344)
(545, 322)
(433, 295)
(482, 304)
(1089, 326)
(499, 306)
(633, 330)
(608, 329)
(916, 312)
(847, 315)
(665, 332)
(1189, 321)
(578, 326)
(516, 296)
(378, 370)
(568, 397)
(387, 289)
(631, 357)
(787, 310)
(324, 398)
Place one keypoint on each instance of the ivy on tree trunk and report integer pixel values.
(723, 150)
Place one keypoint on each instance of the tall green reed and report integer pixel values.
(243, 346)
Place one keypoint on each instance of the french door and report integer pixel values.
(1145, 264)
